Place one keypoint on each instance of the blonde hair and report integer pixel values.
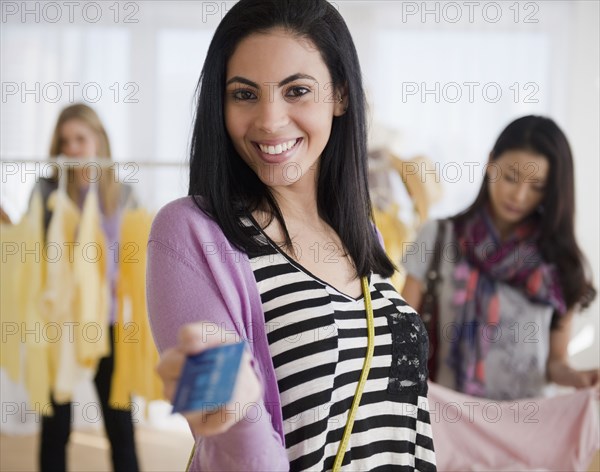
(109, 188)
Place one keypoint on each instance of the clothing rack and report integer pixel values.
(10, 165)
(100, 161)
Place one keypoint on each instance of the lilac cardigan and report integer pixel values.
(195, 274)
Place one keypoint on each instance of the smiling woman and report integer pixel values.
(276, 245)
(293, 111)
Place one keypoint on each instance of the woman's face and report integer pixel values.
(279, 106)
(78, 139)
(516, 183)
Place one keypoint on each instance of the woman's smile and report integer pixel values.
(277, 153)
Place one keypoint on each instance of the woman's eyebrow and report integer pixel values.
(518, 173)
(285, 81)
(515, 169)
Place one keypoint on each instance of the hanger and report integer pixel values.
(62, 177)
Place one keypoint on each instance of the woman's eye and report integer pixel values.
(510, 177)
(296, 92)
(243, 95)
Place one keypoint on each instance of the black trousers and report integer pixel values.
(118, 424)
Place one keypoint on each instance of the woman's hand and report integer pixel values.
(558, 369)
(561, 373)
(586, 378)
(193, 339)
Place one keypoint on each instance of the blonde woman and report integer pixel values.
(79, 134)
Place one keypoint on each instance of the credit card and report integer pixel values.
(208, 379)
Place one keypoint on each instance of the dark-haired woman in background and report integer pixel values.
(512, 274)
(275, 244)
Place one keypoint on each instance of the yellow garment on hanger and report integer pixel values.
(135, 353)
(22, 275)
(92, 338)
(12, 238)
(59, 293)
(395, 234)
(37, 379)
(422, 193)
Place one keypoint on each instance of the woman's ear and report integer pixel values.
(340, 101)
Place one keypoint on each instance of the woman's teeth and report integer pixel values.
(274, 150)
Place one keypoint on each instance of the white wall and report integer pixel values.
(582, 124)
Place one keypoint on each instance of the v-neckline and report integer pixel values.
(300, 267)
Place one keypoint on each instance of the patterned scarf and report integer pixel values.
(484, 262)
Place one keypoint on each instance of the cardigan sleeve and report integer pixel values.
(179, 291)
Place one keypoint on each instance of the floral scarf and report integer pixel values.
(484, 262)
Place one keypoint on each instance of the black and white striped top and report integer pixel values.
(318, 341)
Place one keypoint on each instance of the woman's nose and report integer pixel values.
(272, 114)
(521, 192)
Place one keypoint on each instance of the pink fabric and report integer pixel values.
(544, 434)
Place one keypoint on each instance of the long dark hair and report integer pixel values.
(225, 187)
(541, 135)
